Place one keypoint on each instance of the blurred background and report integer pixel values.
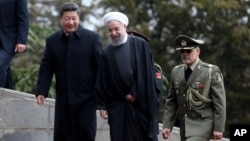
(223, 25)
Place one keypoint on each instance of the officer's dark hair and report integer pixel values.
(69, 6)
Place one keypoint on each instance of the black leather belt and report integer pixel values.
(193, 114)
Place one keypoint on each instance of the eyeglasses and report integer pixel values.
(186, 50)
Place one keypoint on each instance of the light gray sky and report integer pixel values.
(91, 21)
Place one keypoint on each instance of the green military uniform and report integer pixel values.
(159, 84)
(159, 80)
(199, 104)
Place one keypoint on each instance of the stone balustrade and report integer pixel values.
(22, 119)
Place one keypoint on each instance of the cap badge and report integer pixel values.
(183, 43)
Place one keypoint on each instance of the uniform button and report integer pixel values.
(183, 94)
(184, 105)
(186, 115)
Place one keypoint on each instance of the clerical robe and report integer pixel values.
(128, 69)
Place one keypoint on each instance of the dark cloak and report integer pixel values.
(128, 68)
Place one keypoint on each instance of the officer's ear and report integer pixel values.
(198, 50)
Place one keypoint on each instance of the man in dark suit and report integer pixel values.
(72, 55)
(14, 28)
(196, 96)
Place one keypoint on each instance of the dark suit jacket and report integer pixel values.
(14, 23)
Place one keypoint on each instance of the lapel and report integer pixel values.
(180, 81)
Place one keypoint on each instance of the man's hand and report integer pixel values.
(40, 99)
(20, 48)
(166, 133)
(130, 98)
(217, 135)
(104, 114)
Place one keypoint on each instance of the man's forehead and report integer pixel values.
(114, 25)
(70, 13)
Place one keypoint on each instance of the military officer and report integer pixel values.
(196, 96)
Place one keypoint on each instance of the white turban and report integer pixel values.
(115, 16)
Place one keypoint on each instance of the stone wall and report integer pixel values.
(22, 119)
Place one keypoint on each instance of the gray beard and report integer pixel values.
(117, 41)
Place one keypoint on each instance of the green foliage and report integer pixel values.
(25, 66)
(25, 80)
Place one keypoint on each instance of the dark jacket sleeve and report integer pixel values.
(100, 91)
(23, 21)
(45, 73)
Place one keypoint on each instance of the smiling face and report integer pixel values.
(69, 21)
(116, 32)
(190, 57)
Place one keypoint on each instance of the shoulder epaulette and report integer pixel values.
(207, 65)
(178, 66)
(158, 66)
